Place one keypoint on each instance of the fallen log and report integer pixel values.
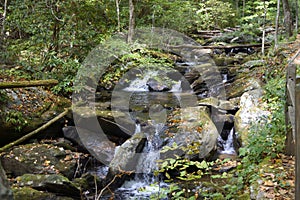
(216, 47)
(19, 84)
(29, 135)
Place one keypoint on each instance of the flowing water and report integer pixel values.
(152, 109)
(145, 184)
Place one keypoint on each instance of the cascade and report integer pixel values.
(228, 144)
(144, 182)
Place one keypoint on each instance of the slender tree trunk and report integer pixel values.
(4, 18)
(264, 30)
(118, 15)
(237, 7)
(297, 16)
(288, 22)
(244, 5)
(131, 22)
(277, 24)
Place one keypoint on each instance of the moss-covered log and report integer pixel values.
(19, 84)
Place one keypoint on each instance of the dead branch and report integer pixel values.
(216, 47)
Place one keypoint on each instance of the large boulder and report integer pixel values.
(158, 85)
(54, 183)
(243, 82)
(195, 135)
(25, 109)
(41, 159)
(117, 126)
(5, 192)
(252, 111)
(126, 158)
(98, 146)
(28, 193)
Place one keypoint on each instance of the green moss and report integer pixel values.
(27, 193)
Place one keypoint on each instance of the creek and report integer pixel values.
(150, 111)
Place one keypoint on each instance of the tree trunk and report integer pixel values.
(277, 24)
(297, 16)
(288, 22)
(131, 22)
(237, 7)
(118, 15)
(264, 30)
(244, 7)
(4, 19)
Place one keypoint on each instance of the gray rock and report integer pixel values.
(195, 137)
(53, 183)
(97, 144)
(252, 111)
(5, 191)
(158, 85)
(126, 155)
(39, 159)
(125, 159)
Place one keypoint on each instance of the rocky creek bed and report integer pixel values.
(65, 162)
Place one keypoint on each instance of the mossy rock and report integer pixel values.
(26, 109)
(40, 158)
(28, 193)
(53, 183)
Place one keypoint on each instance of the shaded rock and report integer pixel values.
(158, 85)
(126, 158)
(222, 120)
(252, 111)
(98, 146)
(71, 133)
(206, 80)
(28, 193)
(117, 126)
(195, 136)
(40, 159)
(26, 109)
(5, 191)
(53, 183)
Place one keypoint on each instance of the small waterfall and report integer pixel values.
(225, 78)
(137, 128)
(228, 144)
(140, 84)
(176, 87)
(145, 183)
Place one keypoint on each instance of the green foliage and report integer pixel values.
(214, 14)
(137, 58)
(188, 16)
(3, 97)
(50, 39)
(16, 119)
(264, 141)
(254, 12)
(268, 140)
